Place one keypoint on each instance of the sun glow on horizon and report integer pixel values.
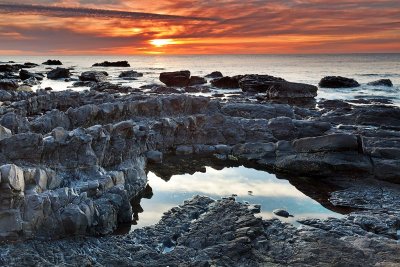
(161, 42)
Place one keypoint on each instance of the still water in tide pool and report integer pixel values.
(250, 185)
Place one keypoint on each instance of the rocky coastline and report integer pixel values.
(72, 162)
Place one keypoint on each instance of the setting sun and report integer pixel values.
(161, 42)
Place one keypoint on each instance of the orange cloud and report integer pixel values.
(201, 27)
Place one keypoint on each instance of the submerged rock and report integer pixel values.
(130, 75)
(112, 64)
(281, 213)
(382, 82)
(338, 82)
(52, 62)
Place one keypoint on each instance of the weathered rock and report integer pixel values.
(281, 213)
(4, 133)
(337, 82)
(258, 83)
(177, 78)
(214, 74)
(107, 86)
(24, 88)
(94, 76)
(8, 68)
(51, 62)
(25, 75)
(8, 85)
(382, 82)
(112, 64)
(196, 80)
(130, 75)
(226, 82)
(59, 73)
(14, 176)
(154, 156)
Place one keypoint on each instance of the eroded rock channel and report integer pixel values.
(72, 163)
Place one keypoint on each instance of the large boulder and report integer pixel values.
(176, 78)
(338, 82)
(8, 68)
(58, 73)
(130, 75)
(196, 80)
(257, 83)
(226, 82)
(214, 75)
(52, 62)
(382, 82)
(13, 175)
(8, 84)
(25, 75)
(112, 64)
(94, 76)
(279, 90)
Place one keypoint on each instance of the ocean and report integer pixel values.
(296, 68)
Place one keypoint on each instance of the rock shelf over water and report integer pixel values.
(72, 162)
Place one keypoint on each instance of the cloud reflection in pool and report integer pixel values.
(257, 187)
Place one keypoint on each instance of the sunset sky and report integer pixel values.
(198, 27)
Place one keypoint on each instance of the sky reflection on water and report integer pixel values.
(256, 187)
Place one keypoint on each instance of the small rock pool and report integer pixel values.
(247, 184)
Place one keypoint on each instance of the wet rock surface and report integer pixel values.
(338, 82)
(71, 163)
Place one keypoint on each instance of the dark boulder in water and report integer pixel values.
(94, 76)
(8, 68)
(130, 75)
(382, 82)
(281, 213)
(226, 82)
(214, 74)
(338, 82)
(257, 83)
(58, 73)
(52, 62)
(196, 80)
(112, 64)
(25, 75)
(176, 78)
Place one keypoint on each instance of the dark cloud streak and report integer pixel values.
(87, 12)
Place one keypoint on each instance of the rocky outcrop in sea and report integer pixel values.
(72, 162)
